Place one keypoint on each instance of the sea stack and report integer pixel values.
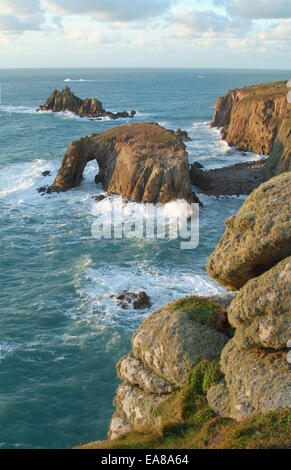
(143, 162)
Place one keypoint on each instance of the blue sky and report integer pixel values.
(146, 33)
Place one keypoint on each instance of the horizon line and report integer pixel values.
(144, 68)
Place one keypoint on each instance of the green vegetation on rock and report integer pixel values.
(188, 422)
(199, 309)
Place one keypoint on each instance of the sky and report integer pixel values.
(146, 33)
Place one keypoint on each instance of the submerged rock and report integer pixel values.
(139, 301)
(142, 301)
(257, 238)
(261, 311)
(143, 162)
(65, 100)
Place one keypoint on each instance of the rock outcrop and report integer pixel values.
(238, 179)
(169, 343)
(256, 381)
(261, 312)
(143, 162)
(257, 238)
(257, 119)
(183, 135)
(254, 255)
(65, 100)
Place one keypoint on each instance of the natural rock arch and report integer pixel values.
(143, 162)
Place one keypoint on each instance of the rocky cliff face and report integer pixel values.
(254, 255)
(257, 119)
(257, 237)
(169, 343)
(65, 100)
(171, 348)
(143, 162)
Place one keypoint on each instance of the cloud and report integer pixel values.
(195, 24)
(256, 9)
(110, 10)
(278, 33)
(20, 7)
(96, 37)
(17, 15)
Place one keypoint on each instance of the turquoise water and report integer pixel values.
(60, 332)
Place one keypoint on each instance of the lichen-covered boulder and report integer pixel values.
(136, 407)
(133, 372)
(174, 338)
(219, 400)
(256, 381)
(118, 426)
(257, 238)
(261, 312)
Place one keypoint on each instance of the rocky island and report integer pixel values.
(143, 162)
(66, 100)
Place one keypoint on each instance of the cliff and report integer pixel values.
(213, 372)
(143, 162)
(65, 100)
(257, 119)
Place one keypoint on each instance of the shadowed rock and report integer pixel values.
(65, 100)
(241, 178)
(143, 162)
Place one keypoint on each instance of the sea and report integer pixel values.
(61, 332)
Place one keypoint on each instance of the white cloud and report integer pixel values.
(110, 10)
(96, 37)
(205, 24)
(279, 32)
(20, 7)
(17, 15)
(257, 8)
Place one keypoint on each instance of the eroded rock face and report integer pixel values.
(170, 344)
(257, 238)
(136, 407)
(261, 312)
(65, 100)
(280, 156)
(253, 117)
(143, 162)
(118, 426)
(164, 350)
(256, 381)
(134, 372)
